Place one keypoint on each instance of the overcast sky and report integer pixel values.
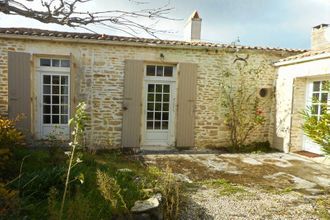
(276, 23)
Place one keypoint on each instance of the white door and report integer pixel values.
(159, 103)
(318, 98)
(54, 101)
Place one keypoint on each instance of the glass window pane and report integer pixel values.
(46, 119)
(56, 63)
(158, 115)
(149, 125)
(168, 71)
(55, 99)
(46, 90)
(316, 86)
(151, 70)
(324, 97)
(64, 119)
(159, 97)
(65, 63)
(64, 80)
(158, 107)
(64, 109)
(315, 109)
(150, 106)
(164, 125)
(56, 90)
(64, 100)
(46, 79)
(151, 88)
(151, 97)
(46, 109)
(55, 119)
(326, 85)
(166, 88)
(55, 109)
(150, 116)
(323, 109)
(157, 125)
(56, 80)
(47, 99)
(64, 90)
(160, 70)
(44, 62)
(165, 107)
(159, 88)
(315, 97)
(166, 97)
(165, 116)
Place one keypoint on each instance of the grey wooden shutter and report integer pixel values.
(19, 91)
(186, 105)
(132, 104)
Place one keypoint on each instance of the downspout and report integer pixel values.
(291, 114)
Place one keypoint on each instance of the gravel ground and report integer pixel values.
(249, 186)
(206, 203)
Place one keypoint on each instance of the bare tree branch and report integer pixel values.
(64, 12)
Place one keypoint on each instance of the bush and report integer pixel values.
(317, 129)
(9, 135)
(9, 138)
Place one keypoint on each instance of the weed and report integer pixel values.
(323, 208)
(225, 187)
(110, 190)
(171, 191)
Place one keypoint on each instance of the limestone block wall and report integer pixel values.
(100, 79)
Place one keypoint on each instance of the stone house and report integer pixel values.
(139, 92)
(301, 83)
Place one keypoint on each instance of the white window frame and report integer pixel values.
(173, 92)
(49, 70)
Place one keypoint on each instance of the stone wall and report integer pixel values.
(100, 79)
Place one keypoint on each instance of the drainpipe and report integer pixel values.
(291, 113)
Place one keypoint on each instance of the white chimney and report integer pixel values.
(321, 37)
(193, 26)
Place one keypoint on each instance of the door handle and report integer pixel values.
(125, 108)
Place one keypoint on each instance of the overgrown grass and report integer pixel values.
(41, 184)
(224, 187)
(323, 208)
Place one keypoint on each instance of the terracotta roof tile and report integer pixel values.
(103, 37)
(305, 55)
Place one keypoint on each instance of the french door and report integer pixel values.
(318, 98)
(159, 108)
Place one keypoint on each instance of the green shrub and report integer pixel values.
(9, 138)
(317, 129)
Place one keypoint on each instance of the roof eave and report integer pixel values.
(143, 44)
(302, 60)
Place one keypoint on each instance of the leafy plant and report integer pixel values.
(318, 129)
(78, 123)
(110, 190)
(240, 103)
(171, 192)
(9, 138)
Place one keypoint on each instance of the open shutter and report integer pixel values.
(186, 105)
(132, 104)
(19, 95)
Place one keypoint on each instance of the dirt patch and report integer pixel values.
(260, 171)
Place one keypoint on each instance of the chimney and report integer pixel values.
(192, 29)
(321, 37)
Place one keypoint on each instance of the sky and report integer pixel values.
(274, 23)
